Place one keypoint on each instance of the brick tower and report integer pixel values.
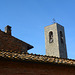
(55, 41)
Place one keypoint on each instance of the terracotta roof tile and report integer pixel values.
(34, 57)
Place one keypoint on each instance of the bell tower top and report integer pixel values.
(55, 43)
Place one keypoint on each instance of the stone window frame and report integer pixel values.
(50, 36)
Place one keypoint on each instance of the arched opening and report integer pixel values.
(61, 36)
(50, 37)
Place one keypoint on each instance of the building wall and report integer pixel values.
(11, 43)
(52, 49)
(27, 68)
(62, 46)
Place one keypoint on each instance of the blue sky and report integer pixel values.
(29, 17)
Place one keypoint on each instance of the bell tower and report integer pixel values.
(55, 43)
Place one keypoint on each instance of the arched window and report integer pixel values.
(61, 36)
(50, 37)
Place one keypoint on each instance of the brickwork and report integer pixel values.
(8, 42)
(31, 68)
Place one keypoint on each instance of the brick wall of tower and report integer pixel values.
(55, 48)
(52, 49)
(23, 68)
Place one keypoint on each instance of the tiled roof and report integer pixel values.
(29, 46)
(36, 58)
